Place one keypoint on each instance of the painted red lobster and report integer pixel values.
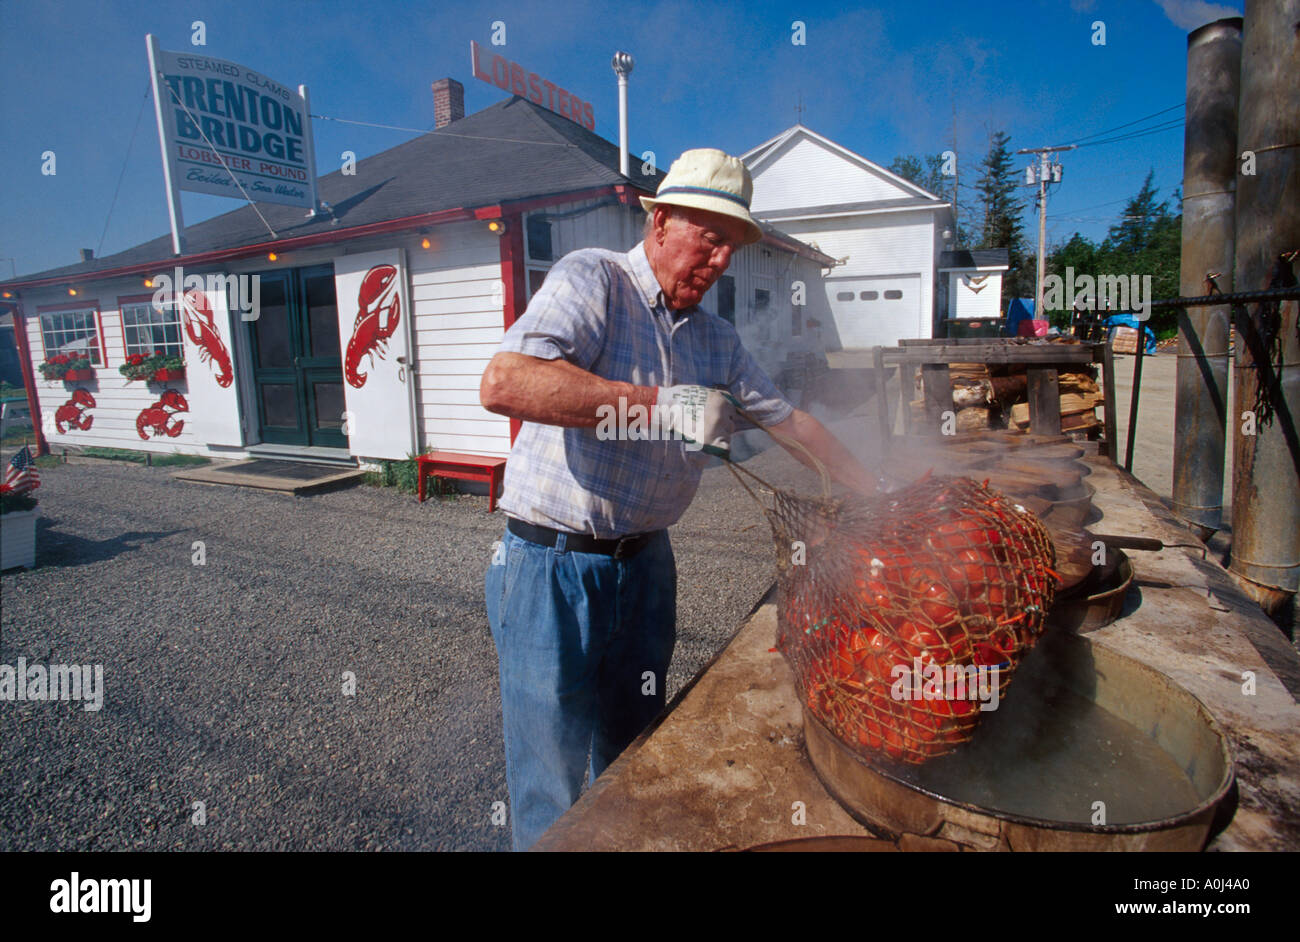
(157, 418)
(378, 296)
(73, 412)
(202, 328)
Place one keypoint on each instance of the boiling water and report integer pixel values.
(1052, 755)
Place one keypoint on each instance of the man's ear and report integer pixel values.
(661, 217)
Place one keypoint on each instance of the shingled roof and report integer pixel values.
(512, 150)
(974, 258)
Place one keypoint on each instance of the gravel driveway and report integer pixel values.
(223, 682)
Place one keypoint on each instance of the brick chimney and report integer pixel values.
(448, 101)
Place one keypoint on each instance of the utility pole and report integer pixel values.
(956, 180)
(1046, 172)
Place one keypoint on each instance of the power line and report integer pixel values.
(444, 133)
(1143, 133)
(1129, 124)
(1084, 209)
(125, 162)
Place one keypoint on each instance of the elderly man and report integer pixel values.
(581, 595)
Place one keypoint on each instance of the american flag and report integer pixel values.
(21, 476)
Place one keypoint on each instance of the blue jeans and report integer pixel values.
(583, 644)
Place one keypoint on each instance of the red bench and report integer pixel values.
(451, 464)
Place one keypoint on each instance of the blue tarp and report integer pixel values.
(1020, 309)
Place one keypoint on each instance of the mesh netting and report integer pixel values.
(900, 613)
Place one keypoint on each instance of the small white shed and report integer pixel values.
(972, 283)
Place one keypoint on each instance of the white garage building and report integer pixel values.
(886, 232)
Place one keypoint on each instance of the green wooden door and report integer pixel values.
(297, 364)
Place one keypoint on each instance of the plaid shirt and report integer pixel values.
(604, 312)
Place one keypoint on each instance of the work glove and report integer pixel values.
(703, 418)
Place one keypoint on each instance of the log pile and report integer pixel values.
(998, 398)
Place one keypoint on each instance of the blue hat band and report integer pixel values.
(705, 190)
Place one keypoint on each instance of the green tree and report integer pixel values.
(1145, 240)
(998, 188)
(930, 177)
(1136, 227)
(1078, 256)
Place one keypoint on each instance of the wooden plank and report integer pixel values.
(938, 393)
(477, 304)
(923, 341)
(1044, 401)
(1078, 382)
(1108, 402)
(882, 396)
(906, 388)
(972, 418)
(1070, 405)
(1038, 353)
(1079, 422)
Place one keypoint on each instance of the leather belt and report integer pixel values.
(621, 548)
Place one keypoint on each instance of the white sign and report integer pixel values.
(222, 122)
(374, 333)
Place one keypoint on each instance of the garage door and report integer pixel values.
(876, 310)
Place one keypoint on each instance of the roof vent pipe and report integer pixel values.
(622, 64)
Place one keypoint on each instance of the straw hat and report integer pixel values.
(711, 180)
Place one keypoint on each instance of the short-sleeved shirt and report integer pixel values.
(604, 311)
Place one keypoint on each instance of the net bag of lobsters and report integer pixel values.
(903, 613)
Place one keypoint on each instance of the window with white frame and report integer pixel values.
(71, 332)
(539, 253)
(147, 329)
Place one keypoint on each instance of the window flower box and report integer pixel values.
(69, 367)
(159, 367)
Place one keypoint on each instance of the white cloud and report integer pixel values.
(1190, 14)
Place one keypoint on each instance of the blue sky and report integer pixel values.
(881, 79)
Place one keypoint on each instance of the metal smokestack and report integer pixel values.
(1266, 472)
(1209, 184)
(622, 64)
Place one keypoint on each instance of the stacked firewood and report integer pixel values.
(1080, 397)
(999, 398)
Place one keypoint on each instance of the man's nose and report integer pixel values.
(722, 256)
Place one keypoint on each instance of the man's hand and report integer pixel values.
(703, 417)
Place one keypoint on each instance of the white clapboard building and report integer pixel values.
(885, 232)
(377, 317)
